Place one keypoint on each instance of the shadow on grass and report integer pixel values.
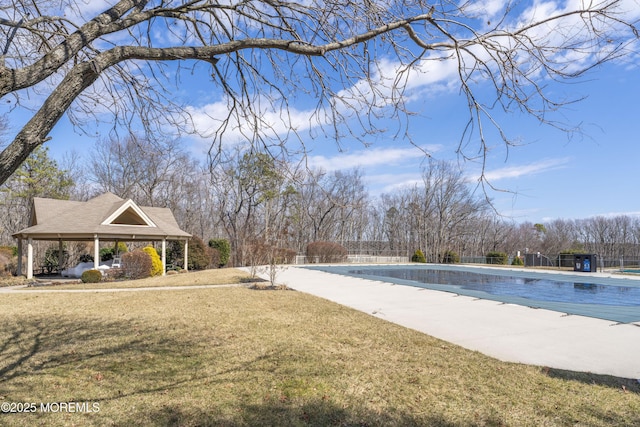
(146, 363)
(625, 384)
(31, 347)
(313, 413)
(45, 350)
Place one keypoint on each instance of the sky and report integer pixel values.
(550, 175)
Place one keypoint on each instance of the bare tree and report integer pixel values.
(355, 61)
(155, 173)
(138, 168)
(251, 195)
(329, 206)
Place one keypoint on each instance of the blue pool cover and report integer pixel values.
(615, 299)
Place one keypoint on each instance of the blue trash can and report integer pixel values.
(587, 263)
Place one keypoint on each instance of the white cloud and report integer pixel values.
(205, 120)
(87, 9)
(488, 8)
(370, 158)
(436, 73)
(390, 182)
(534, 168)
(616, 214)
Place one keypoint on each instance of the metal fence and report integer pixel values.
(561, 262)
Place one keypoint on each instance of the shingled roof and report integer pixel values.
(107, 217)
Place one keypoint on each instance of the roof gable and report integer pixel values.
(129, 214)
(106, 215)
(45, 210)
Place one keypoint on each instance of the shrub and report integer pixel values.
(326, 252)
(107, 254)
(117, 273)
(91, 276)
(497, 258)
(450, 257)
(200, 256)
(86, 258)
(517, 261)
(224, 250)
(51, 262)
(418, 256)
(260, 252)
(285, 256)
(175, 253)
(11, 251)
(5, 262)
(136, 264)
(156, 262)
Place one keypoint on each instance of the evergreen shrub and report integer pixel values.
(200, 256)
(156, 262)
(224, 250)
(517, 261)
(91, 276)
(107, 254)
(450, 257)
(86, 258)
(418, 256)
(495, 257)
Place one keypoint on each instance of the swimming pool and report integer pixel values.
(602, 297)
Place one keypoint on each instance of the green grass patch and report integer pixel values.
(236, 356)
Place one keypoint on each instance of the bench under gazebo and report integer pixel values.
(104, 218)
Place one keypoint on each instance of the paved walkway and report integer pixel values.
(507, 332)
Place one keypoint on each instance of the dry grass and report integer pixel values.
(236, 356)
(205, 277)
(13, 281)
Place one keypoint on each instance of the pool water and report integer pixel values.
(535, 289)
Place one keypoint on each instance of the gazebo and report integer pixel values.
(104, 218)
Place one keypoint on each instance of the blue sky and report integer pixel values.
(551, 174)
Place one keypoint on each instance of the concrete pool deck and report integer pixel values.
(508, 332)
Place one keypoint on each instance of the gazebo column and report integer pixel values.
(164, 257)
(30, 258)
(60, 257)
(96, 251)
(19, 256)
(186, 255)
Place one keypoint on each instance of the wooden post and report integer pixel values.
(96, 251)
(186, 255)
(30, 258)
(164, 257)
(60, 257)
(19, 256)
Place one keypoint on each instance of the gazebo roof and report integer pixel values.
(107, 217)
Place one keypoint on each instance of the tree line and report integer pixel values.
(250, 198)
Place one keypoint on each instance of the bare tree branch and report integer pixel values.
(356, 60)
